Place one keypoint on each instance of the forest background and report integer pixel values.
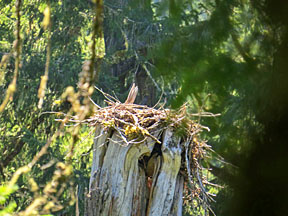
(227, 57)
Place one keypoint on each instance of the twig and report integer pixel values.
(201, 185)
(52, 112)
(17, 48)
(44, 79)
(150, 76)
(160, 98)
(107, 96)
(94, 102)
(205, 114)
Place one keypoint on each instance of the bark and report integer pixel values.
(139, 179)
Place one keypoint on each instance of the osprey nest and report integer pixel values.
(133, 124)
(136, 123)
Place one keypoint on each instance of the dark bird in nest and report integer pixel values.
(132, 95)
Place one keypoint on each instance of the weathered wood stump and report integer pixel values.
(135, 168)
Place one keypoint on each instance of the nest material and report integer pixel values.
(132, 120)
(135, 123)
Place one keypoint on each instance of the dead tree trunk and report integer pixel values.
(120, 183)
(137, 159)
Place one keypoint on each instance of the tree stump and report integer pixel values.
(137, 157)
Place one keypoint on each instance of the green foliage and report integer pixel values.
(230, 52)
(9, 209)
(24, 129)
(6, 191)
(221, 56)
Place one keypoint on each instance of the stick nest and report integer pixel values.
(132, 120)
(135, 123)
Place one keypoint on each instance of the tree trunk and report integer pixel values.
(135, 179)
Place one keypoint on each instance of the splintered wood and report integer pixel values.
(143, 161)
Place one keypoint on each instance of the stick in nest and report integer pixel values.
(132, 95)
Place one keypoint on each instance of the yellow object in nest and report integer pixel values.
(131, 130)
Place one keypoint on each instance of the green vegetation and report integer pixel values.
(219, 56)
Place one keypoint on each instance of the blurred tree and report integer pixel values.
(226, 57)
(236, 51)
(128, 36)
(23, 127)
